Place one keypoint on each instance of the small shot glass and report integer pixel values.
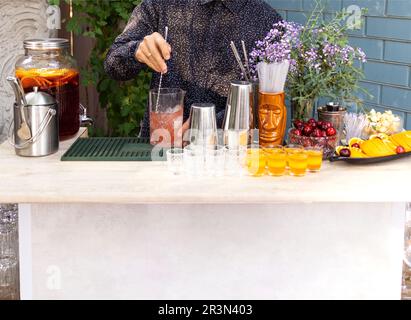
(290, 149)
(235, 161)
(175, 161)
(298, 162)
(194, 161)
(256, 161)
(315, 158)
(276, 158)
(215, 161)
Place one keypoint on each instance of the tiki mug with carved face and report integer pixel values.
(272, 118)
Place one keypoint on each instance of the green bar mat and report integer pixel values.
(112, 149)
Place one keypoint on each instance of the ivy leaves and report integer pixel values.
(124, 102)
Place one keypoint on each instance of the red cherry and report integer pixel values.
(323, 133)
(307, 130)
(320, 124)
(298, 124)
(317, 133)
(346, 153)
(400, 149)
(326, 125)
(312, 120)
(331, 132)
(296, 132)
(356, 145)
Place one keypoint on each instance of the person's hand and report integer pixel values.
(186, 127)
(154, 51)
(181, 135)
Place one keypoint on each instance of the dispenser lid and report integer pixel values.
(46, 44)
(38, 98)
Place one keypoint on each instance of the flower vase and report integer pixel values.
(302, 109)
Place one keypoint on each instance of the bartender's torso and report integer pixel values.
(200, 32)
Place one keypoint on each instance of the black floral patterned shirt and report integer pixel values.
(200, 32)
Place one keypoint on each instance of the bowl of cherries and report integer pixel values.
(314, 133)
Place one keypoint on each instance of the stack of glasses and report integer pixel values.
(212, 161)
(205, 155)
(9, 269)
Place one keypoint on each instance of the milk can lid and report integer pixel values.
(38, 98)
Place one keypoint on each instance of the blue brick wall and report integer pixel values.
(385, 37)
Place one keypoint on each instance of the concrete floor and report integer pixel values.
(11, 292)
(9, 278)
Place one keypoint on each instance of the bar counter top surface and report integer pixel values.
(48, 180)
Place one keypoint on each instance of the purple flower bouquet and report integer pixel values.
(315, 60)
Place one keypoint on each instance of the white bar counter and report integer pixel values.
(130, 230)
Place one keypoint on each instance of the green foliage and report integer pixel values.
(124, 102)
(334, 76)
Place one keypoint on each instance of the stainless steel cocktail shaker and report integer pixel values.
(239, 115)
(203, 125)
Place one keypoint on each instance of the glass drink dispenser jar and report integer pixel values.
(48, 65)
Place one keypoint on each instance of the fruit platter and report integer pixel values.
(378, 148)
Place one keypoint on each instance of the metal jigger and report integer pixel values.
(203, 125)
(239, 116)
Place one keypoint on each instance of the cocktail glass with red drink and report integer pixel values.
(166, 117)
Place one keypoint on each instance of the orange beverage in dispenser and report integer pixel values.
(63, 85)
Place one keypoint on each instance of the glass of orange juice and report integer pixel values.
(276, 158)
(315, 158)
(256, 161)
(298, 162)
(291, 148)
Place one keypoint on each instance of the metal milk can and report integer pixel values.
(36, 125)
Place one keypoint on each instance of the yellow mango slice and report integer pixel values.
(370, 149)
(405, 138)
(357, 153)
(402, 139)
(383, 148)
